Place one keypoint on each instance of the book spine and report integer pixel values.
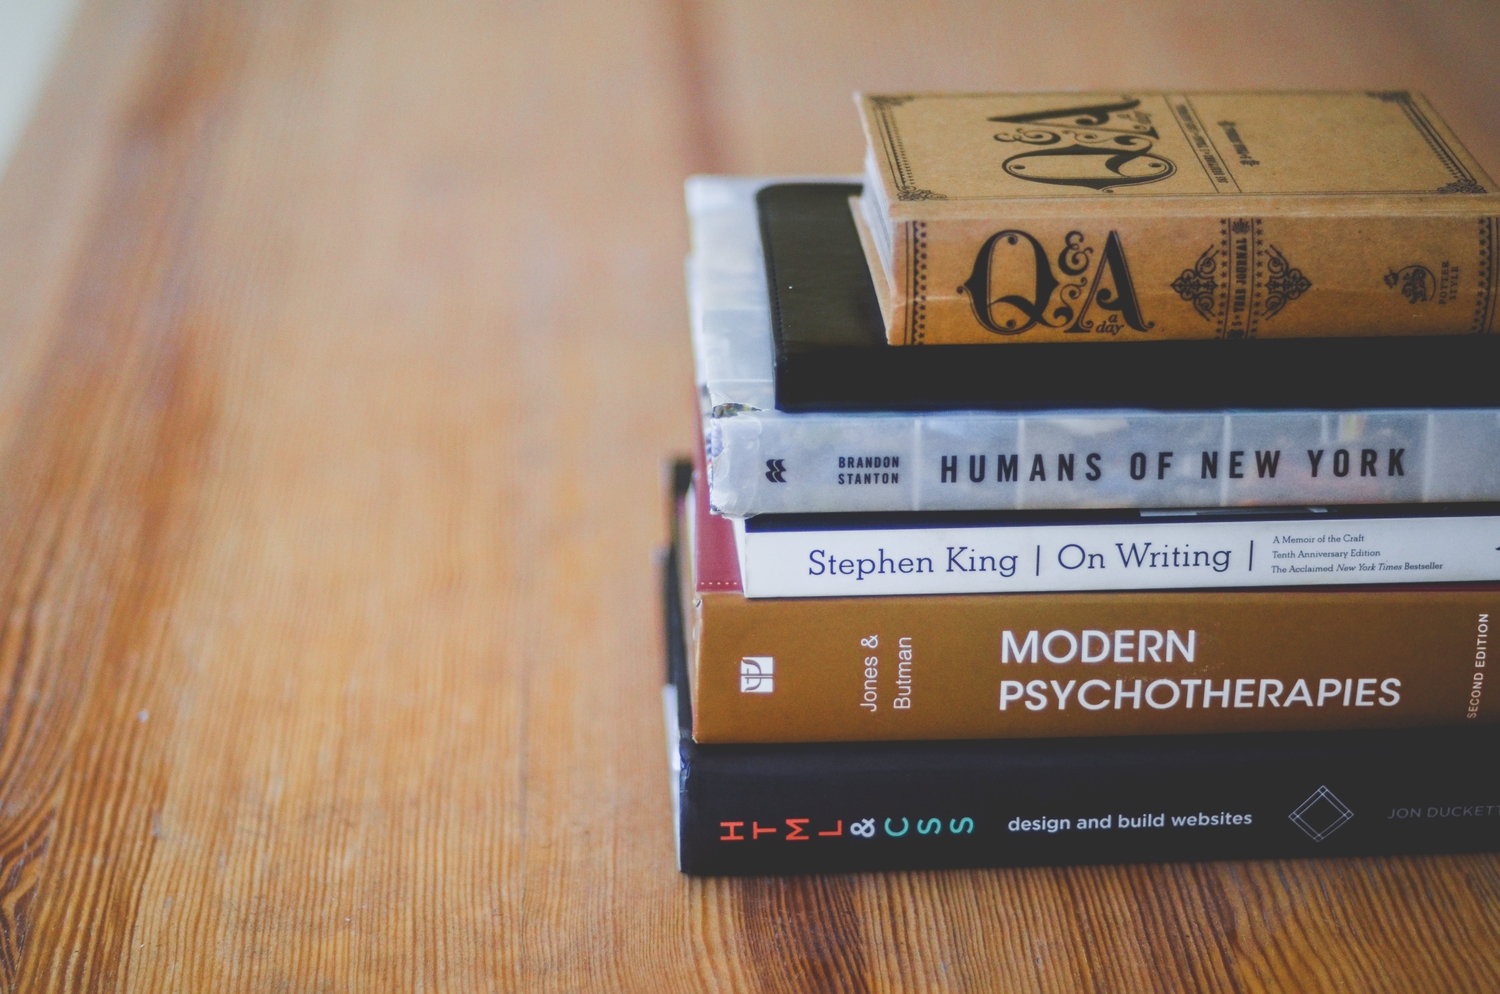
(1128, 278)
(756, 810)
(770, 462)
(1156, 555)
(986, 666)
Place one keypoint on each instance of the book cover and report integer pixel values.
(850, 669)
(1093, 217)
(836, 807)
(768, 459)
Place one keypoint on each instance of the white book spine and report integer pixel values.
(1162, 555)
(770, 462)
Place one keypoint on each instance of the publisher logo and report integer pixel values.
(757, 675)
(1321, 814)
(776, 470)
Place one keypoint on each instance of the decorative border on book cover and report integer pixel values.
(895, 150)
(1489, 271)
(1463, 180)
(915, 233)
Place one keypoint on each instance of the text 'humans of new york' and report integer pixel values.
(1237, 464)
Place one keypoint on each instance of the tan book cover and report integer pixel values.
(1043, 665)
(1140, 216)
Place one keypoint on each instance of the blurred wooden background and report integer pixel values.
(340, 346)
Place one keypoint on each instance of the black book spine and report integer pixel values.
(797, 809)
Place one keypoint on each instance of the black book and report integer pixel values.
(831, 352)
(771, 809)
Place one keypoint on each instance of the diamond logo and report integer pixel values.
(1321, 815)
(757, 674)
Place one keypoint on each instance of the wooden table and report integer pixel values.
(341, 344)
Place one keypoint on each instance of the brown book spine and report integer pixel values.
(973, 667)
(1153, 272)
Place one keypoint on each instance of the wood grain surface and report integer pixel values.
(341, 344)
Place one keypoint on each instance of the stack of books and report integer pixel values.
(1099, 478)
